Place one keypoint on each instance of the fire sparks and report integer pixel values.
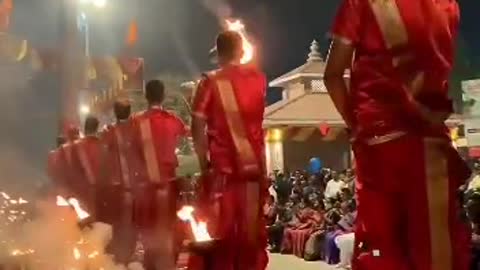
(18, 252)
(199, 229)
(248, 49)
(81, 214)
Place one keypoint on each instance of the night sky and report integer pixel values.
(175, 36)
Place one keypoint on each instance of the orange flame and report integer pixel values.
(248, 49)
(76, 253)
(62, 201)
(81, 214)
(199, 229)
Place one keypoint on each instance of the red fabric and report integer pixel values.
(295, 238)
(228, 221)
(93, 149)
(249, 85)
(69, 172)
(167, 129)
(393, 207)
(130, 153)
(378, 90)
(474, 152)
(54, 169)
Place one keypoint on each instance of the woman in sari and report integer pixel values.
(400, 54)
(308, 220)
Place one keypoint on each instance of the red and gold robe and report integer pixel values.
(408, 172)
(231, 100)
(157, 134)
(54, 170)
(67, 167)
(88, 163)
(114, 193)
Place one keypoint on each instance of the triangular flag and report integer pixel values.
(132, 35)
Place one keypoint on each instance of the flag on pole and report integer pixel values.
(132, 35)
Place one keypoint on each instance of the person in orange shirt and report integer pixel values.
(229, 140)
(88, 163)
(400, 54)
(157, 136)
(114, 192)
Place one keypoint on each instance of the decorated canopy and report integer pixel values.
(305, 106)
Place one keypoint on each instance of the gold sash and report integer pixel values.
(246, 155)
(82, 155)
(390, 22)
(395, 35)
(149, 151)
(123, 160)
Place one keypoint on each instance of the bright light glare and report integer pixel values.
(99, 3)
(84, 17)
(84, 109)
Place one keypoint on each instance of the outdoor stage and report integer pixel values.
(286, 262)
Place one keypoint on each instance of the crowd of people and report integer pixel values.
(312, 215)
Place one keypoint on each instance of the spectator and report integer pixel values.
(334, 186)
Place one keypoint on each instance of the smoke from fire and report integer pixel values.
(53, 239)
(219, 8)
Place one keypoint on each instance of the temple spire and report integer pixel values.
(314, 54)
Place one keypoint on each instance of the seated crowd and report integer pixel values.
(312, 215)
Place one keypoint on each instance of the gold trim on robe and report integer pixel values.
(149, 151)
(437, 183)
(123, 160)
(390, 22)
(236, 127)
(246, 155)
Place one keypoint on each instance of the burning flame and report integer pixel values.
(76, 253)
(248, 49)
(93, 254)
(62, 202)
(18, 252)
(199, 229)
(81, 214)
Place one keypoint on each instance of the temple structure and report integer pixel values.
(305, 124)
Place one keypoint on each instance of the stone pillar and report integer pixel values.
(274, 150)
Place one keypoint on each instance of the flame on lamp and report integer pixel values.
(248, 49)
(62, 201)
(81, 214)
(199, 229)
(76, 253)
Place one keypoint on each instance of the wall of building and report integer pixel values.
(334, 154)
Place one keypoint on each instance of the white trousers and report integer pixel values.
(345, 243)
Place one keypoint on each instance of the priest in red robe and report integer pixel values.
(54, 169)
(66, 163)
(229, 140)
(88, 163)
(158, 133)
(400, 54)
(114, 191)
